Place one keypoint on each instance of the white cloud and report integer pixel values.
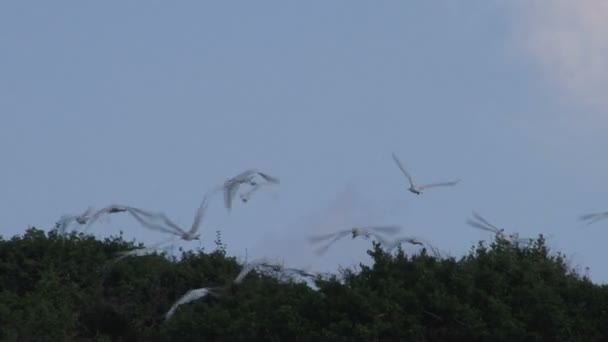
(569, 40)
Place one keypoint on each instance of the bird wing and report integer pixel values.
(64, 222)
(190, 296)
(339, 235)
(385, 229)
(593, 217)
(198, 217)
(319, 238)
(481, 226)
(247, 268)
(100, 212)
(244, 176)
(434, 185)
(230, 191)
(484, 221)
(269, 178)
(409, 178)
(146, 219)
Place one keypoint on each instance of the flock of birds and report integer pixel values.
(256, 180)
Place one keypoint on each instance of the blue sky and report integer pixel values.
(152, 104)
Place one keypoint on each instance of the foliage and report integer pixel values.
(60, 288)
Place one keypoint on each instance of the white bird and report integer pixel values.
(191, 296)
(483, 224)
(366, 232)
(171, 227)
(417, 189)
(593, 217)
(231, 185)
(81, 219)
(159, 221)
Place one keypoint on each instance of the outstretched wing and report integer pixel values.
(486, 222)
(481, 226)
(319, 238)
(269, 178)
(593, 217)
(190, 296)
(324, 249)
(434, 185)
(394, 229)
(114, 208)
(146, 219)
(409, 178)
(229, 192)
(198, 217)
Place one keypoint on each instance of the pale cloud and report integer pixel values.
(569, 41)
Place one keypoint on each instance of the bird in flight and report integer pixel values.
(366, 232)
(418, 189)
(191, 296)
(593, 217)
(231, 185)
(159, 221)
(81, 219)
(483, 224)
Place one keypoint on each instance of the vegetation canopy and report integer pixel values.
(56, 287)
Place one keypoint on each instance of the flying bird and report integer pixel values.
(159, 221)
(418, 189)
(483, 224)
(593, 217)
(168, 226)
(191, 296)
(231, 185)
(81, 219)
(366, 232)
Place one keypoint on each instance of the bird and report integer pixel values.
(593, 217)
(483, 224)
(66, 220)
(168, 226)
(159, 221)
(231, 185)
(418, 189)
(191, 296)
(366, 232)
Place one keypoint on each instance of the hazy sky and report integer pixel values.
(153, 103)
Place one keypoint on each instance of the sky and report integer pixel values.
(152, 104)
